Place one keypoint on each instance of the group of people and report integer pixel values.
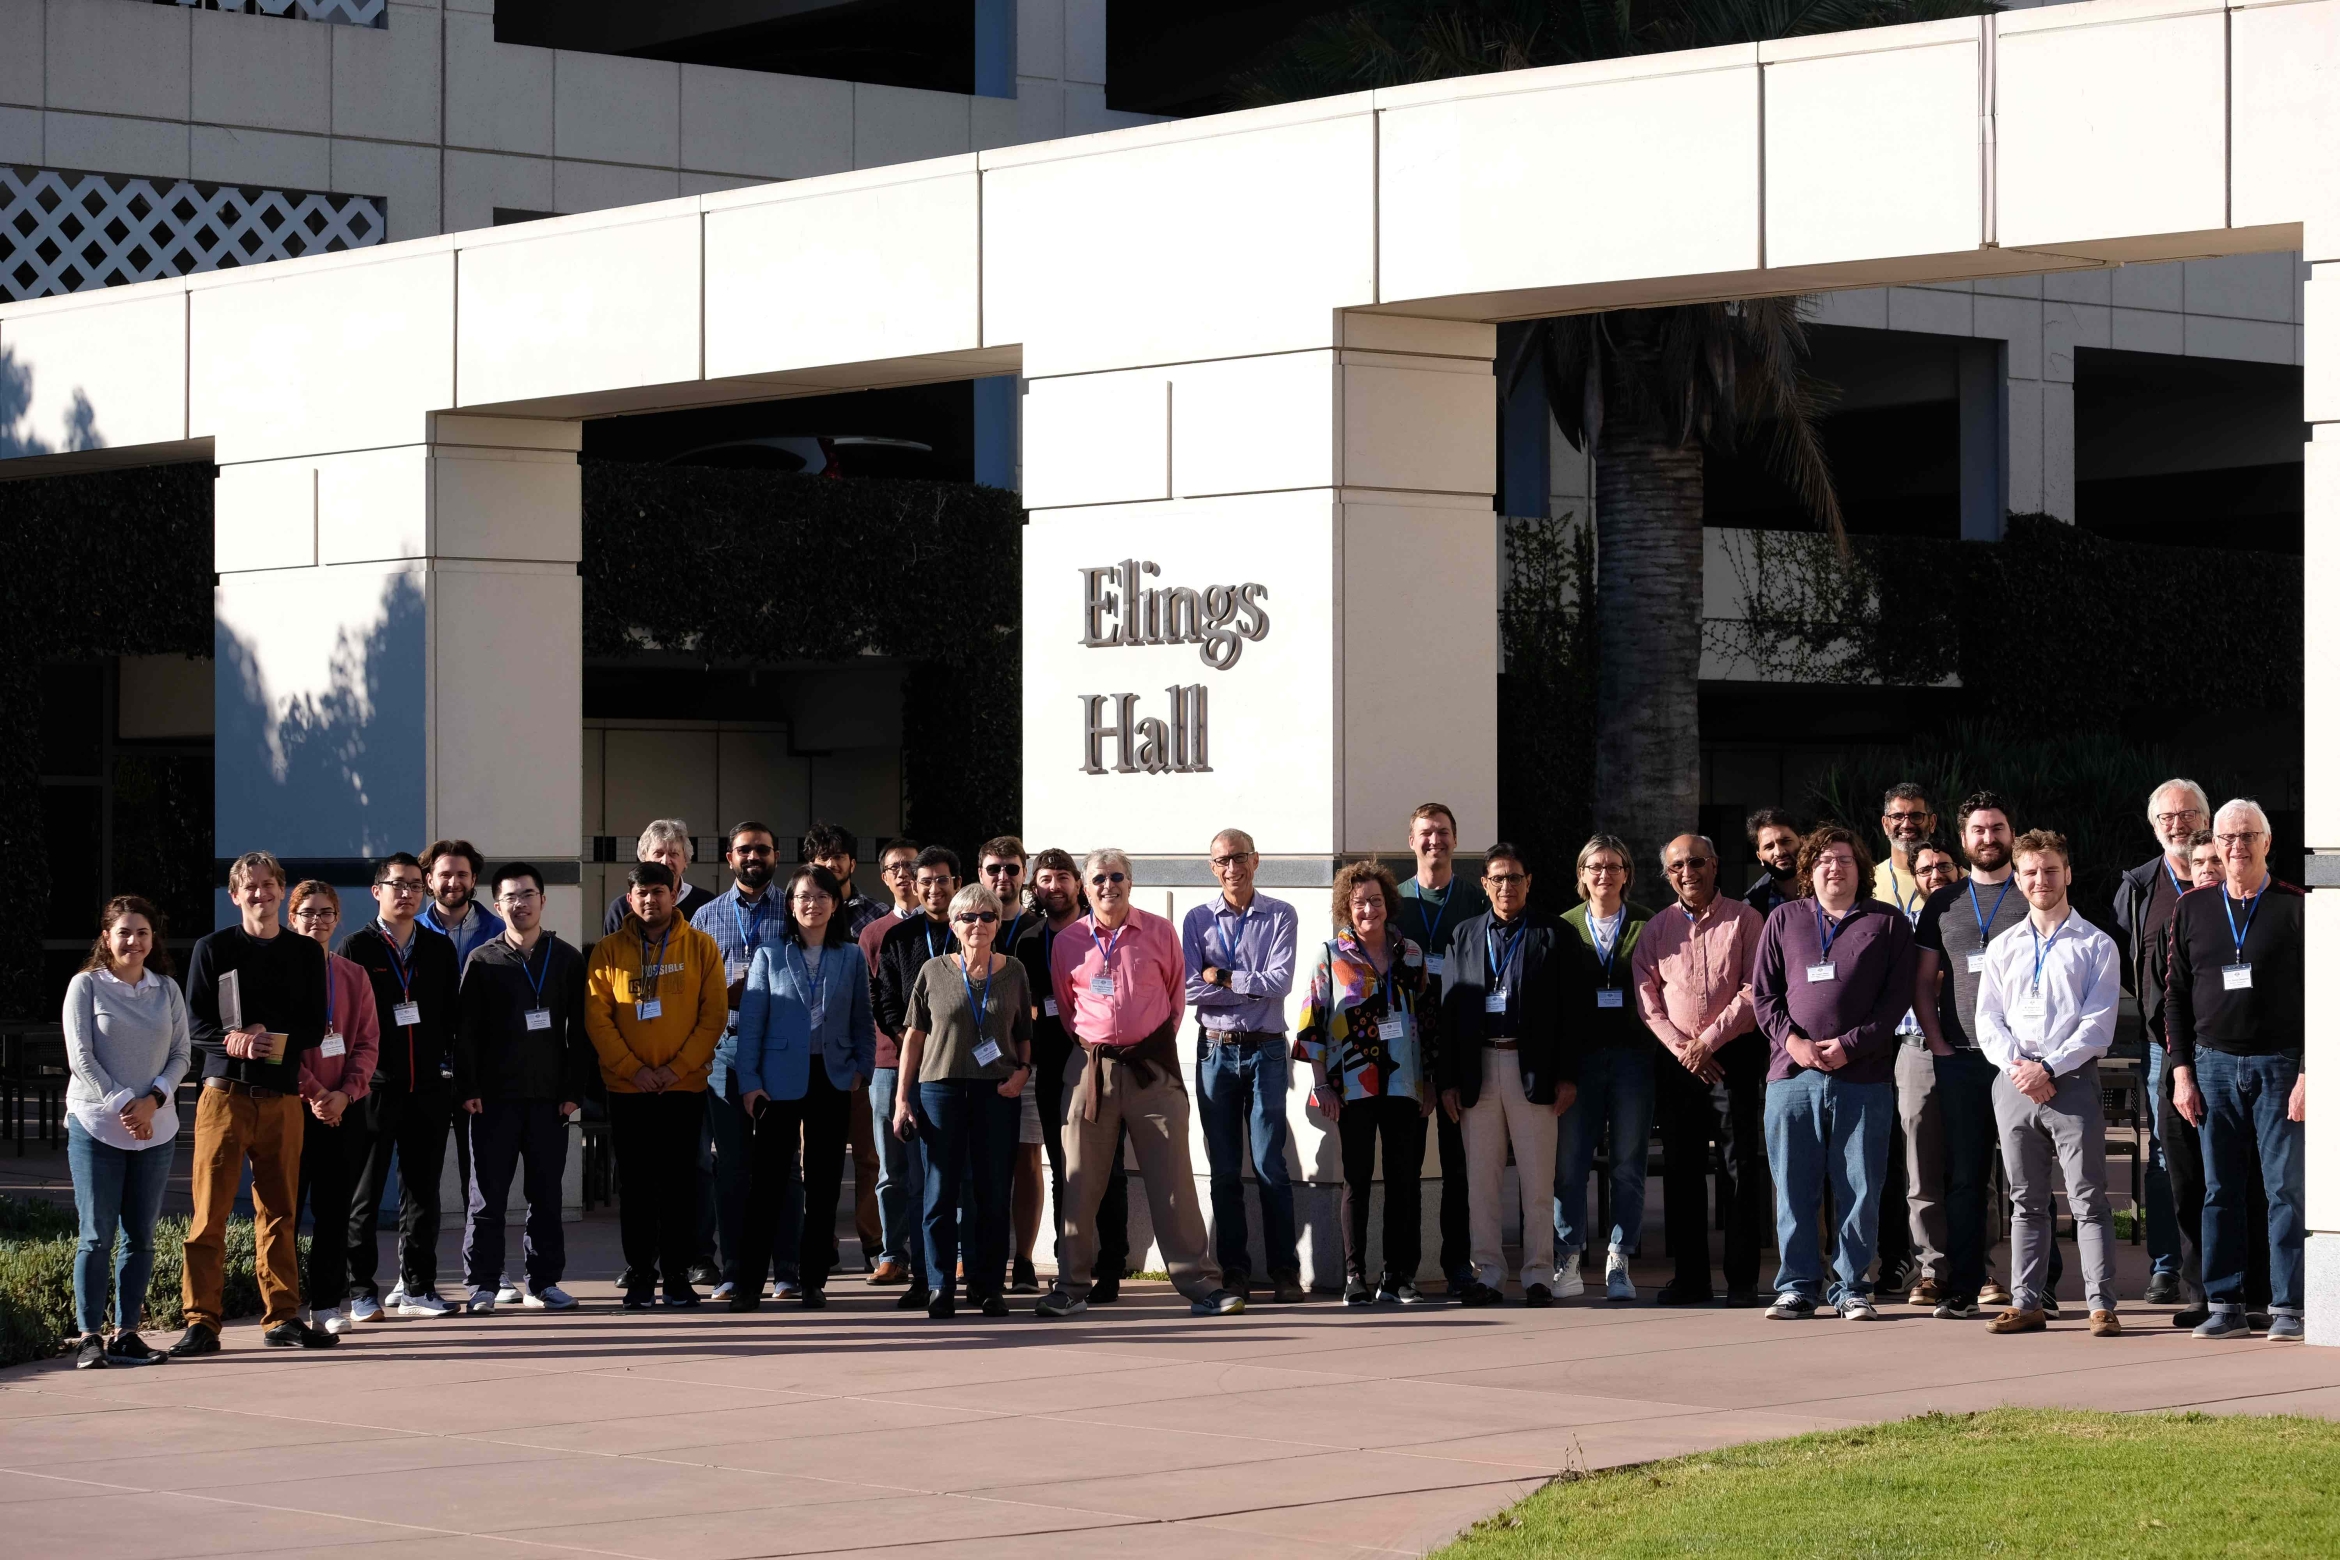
(1850, 1034)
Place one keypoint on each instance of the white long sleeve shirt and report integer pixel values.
(2048, 1000)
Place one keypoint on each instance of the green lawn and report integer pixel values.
(2013, 1482)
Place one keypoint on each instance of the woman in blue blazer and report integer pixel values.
(805, 1040)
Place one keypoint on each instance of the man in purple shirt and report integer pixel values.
(1833, 974)
(1240, 949)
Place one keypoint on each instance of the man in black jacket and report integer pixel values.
(902, 952)
(1776, 840)
(522, 1062)
(1515, 1001)
(406, 1109)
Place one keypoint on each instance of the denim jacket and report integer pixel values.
(775, 1041)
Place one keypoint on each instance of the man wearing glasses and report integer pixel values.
(897, 949)
(2236, 1008)
(522, 1062)
(408, 1108)
(741, 921)
(1693, 974)
(2143, 903)
(899, 1183)
(1119, 980)
(1240, 949)
(1903, 1258)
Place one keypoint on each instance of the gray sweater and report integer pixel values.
(139, 1037)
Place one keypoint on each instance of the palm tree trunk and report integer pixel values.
(1650, 604)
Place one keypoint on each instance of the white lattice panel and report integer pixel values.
(70, 232)
(350, 13)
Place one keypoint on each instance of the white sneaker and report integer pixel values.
(396, 1298)
(723, 1291)
(336, 1321)
(1621, 1278)
(425, 1304)
(365, 1308)
(552, 1297)
(1569, 1280)
(507, 1292)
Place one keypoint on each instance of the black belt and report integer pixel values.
(231, 1086)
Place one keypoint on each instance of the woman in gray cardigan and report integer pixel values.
(127, 1045)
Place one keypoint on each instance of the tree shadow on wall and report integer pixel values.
(16, 436)
(333, 764)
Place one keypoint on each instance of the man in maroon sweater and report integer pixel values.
(1833, 974)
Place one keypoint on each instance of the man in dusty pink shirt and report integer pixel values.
(1692, 972)
(1119, 978)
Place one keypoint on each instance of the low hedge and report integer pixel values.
(36, 1277)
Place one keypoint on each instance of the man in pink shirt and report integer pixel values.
(1692, 972)
(1119, 978)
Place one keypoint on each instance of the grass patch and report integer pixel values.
(2011, 1482)
(37, 1238)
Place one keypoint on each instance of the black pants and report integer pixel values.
(1729, 1114)
(413, 1127)
(818, 1122)
(331, 1159)
(656, 1140)
(1050, 1050)
(1454, 1208)
(529, 1134)
(1397, 1121)
(2181, 1151)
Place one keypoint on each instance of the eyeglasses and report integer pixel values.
(1506, 879)
(751, 850)
(2170, 820)
(1003, 869)
(1103, 878)
(1908, 817)
(807, 899)
(1601, 868)
(1224, 862)
(975, 918)
(2237, 841)
(404, 888)
(1690, 864)
(897, 868)
(318, 913)
(518, 896)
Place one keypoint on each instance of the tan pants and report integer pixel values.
(228, 1128)
(1156, 1117)
(1505, 1116)
(865, 1173)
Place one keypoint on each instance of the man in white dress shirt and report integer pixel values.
(2050, 990)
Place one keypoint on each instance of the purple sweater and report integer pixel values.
(1875, 954)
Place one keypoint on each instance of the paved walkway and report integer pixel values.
(1309, 1431)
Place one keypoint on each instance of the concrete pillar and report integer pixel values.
(1330, 513)
(2322, 654)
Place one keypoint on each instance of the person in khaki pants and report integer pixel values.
(251, 1102)
(1120, 985)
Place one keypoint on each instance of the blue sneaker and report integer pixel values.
(2285, 1329)
(2225, 1322)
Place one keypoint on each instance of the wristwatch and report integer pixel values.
(160, 1099)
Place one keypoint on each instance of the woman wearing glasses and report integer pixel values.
(334, 1078)
(805, 1040)
(968, 1042)
(1367, 1028)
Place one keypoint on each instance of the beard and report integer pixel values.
(755, 875)
(1988, 858)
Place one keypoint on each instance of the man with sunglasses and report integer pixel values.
(1240, 950)
(741, 920)
(408, 1107)
(900, 950)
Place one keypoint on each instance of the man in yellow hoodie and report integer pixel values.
(654, 1009)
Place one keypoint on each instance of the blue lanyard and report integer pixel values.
(932, 951)
(1393, 998)
(2177, 884)
(981, 1005)
(1105, 948)
(816, 975)
(2039, 950)
(536, 977)
(1828, 935)
(1421, 897)
(1607, 955)
(1916, 889)
(2252, 915)
(652, 994)
(1982, 925)
(1233, 944)
(1495, 966)
(747, 925)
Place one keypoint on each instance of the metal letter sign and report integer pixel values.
(1119, 608)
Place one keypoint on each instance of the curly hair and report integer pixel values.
(1817, 843)
(1345, 883)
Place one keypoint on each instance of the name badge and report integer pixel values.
(332, 1045)
(733, 972)
(2238, 977)
(1101, 985)
(406, 1013)
(648, 1009)
(1437, 963)
(1498, 1001)
(1048, 1006)
(1974, 964)
(2032, 1006)
(538, 1018)
(1817, 973)
(1393, 1026)
(987, 1053)
(1609, 997)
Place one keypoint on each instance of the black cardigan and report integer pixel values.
(1555, 1005)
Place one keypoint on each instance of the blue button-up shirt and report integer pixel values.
(739, 926)
(1258, 948)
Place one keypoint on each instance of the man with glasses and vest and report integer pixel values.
(2237, 1029)
(1240, 950)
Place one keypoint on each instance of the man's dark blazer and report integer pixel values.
(1554, 1004)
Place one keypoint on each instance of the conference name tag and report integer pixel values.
(2238, 977)
(406, 1013)
(1816, 973)
(1437, 963)
(1393, 1026)
(987, 1053)
(648, 1008)
(1498, 1001)
(1101, 985)
(538, 1018)
(1048, 1006)
(332, 1045)
(1609, 997)
(1974, 964)
(2032, 1008)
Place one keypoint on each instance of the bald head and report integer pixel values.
(1692, 867)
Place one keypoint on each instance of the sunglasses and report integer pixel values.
(1003, 869)
(1103, 878)
(975, 918)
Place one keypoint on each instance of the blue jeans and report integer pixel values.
(1820, 1129)
(1237, 1082)
(2246, 1098)
(966, 1127)
(2161, 1227)
(901, 1185)
(1616, 1092)
(113, 1188)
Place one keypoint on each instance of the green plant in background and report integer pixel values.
(37, 1240)
(1544, 697)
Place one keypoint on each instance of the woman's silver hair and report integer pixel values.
(973, 897)
(1107, 856)
(662, 833)
(2200, 796)
(2244, 805)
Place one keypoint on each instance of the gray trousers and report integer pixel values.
(2034, 1140)
(1925, 1156)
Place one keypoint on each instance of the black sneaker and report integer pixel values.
(941, 1308)
(1404, 1293)
(912, 1299)
(2162, 1289)
(1288, 1290)
(638, 1300)
(682, 1299)
(815, 1299)
(1482, 1294)
(91, 1352)
(130, 1349)
(1958, 1308)
(1535, 1297)
(1104, 1291)
(1358, 1292)
(2191, 1317)
(746, 1300)
(2048, 1303)
(1025, 1281)
(1060, 1302)
(1681, 1293)
(995, 1306)
(705, 1275)
(197, 1339)
(1744, 1300)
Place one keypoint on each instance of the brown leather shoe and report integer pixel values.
(1927, 1293)
(1993, 1293)
(2103, 1324)
(888, 1272)
(2014, 1321)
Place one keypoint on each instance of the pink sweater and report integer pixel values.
(350, 995)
